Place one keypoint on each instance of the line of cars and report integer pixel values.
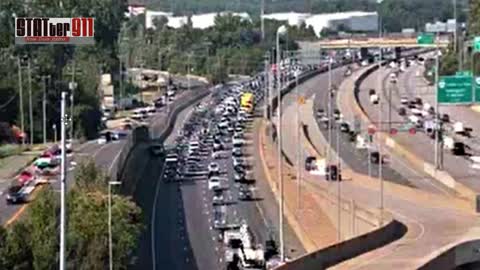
(44, 167)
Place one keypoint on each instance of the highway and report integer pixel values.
(180, 232)
(420, 144)
(424, 234)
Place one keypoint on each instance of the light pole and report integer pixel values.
(266, 85)
(20, 86)
(30, 102)
(280, 31)
(299, 152)
(72, 86)
(380, 86)
(63, 178)
(44, 108)
(54, 133)
(110, 241)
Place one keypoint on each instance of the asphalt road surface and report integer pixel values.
(420, 144)
(429, 228)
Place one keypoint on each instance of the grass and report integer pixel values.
(7, 150)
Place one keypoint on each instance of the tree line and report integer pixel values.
(33, 241)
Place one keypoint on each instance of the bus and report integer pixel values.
(246, 102)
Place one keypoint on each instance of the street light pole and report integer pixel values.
(299, 152)
(266, 85)
(20, 86)
(281, 30)
(30, 102)
(437, 163)
(72, 94)
(44, 109)
(380, 86)
(110, 240)
(63, 183)
(330, 91)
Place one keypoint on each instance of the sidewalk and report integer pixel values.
(310, 224)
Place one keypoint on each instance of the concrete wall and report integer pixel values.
(465, 253)
(335, 254)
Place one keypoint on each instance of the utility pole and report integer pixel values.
(455, 33)
(380, 86)
(120, 69)
(44, 109)
(30, 102)
(262, 22)
(329, 109)
(266, 86)
(20, 86)
(437, 163)
(63, 177)
(73, 86)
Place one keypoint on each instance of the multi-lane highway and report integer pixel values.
(460, 167)
(180, 232)
(424, 235)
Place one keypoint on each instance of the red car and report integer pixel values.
(25, 177)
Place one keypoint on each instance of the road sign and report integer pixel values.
(425, 39)
(464, 73)
(412, 130)
(393, 131)
(476, 44)
(454, 89)
(371, 129)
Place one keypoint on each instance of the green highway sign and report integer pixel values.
(425, 39)
(477, 89)
(454, 90)
(464, 73)
(476, 44)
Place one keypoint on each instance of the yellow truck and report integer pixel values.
(246, 102)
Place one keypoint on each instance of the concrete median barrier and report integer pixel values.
(140, 138)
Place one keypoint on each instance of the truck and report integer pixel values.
(241, 251)
(246, 102)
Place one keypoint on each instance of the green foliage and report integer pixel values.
(232, 45)
(9, 150)
(34, 242)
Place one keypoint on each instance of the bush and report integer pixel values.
(10, 150)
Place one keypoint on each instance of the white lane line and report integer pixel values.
(152, 225)
(114, 161)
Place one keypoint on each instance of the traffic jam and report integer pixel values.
(212, 148)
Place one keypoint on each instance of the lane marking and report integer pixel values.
(153, 221)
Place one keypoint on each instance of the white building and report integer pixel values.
(353, 20)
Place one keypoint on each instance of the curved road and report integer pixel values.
(429, 228)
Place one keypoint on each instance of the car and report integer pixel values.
(218, 199)
(332, 173)
(375, 157)
(344, 127)
(245, 193)
(371, 92)
(237, 152)
(238, 176)
(238, 161)
(445, 118)
(310, 163)
(25, 177)
(374, 99)
(157, 150)
(213, 167)
(404, 100)
(458, 149)
(320, 113)
(393, 78)
(239, 169)
(418, 101)
(16, 195)
(402, 111)
(213, 183)
(336, 113)
(238, 141)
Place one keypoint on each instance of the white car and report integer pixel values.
(238, 140)
(374, 99)
(213, 182)
(238, 161)
(217, 199)
(102, 140)
(213, 167)
(404, 100)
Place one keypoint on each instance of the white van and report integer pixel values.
(374, 99)
(458, 127)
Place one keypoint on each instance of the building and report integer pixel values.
(357, 21)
